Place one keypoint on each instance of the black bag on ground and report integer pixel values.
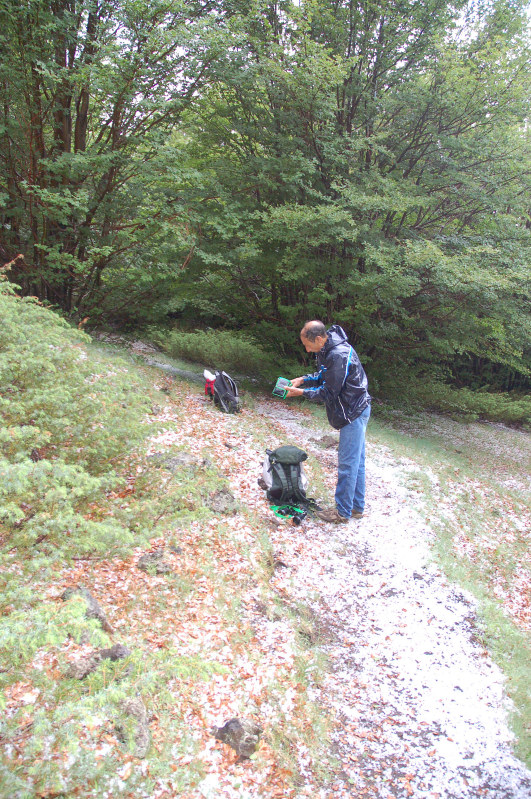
(226, 393)
(284, 477)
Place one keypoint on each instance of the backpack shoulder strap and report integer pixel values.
(294, 479)
(287, 492)
(231, 382)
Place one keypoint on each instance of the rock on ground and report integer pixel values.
(133, 724)
(240, 734)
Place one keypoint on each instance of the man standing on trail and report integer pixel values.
(341, 384)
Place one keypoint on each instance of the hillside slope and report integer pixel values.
(364, 666)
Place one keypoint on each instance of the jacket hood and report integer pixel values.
(336, 335)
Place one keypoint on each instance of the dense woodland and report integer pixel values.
(248, 165)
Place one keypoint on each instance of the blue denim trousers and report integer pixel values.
(350, 490)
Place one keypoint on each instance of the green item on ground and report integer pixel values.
(292, 512)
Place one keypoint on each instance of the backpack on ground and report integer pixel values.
(223, 390)
(283, 476)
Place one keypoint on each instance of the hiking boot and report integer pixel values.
(331, 515)
(357, 514)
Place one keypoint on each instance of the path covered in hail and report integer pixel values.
(418, 707)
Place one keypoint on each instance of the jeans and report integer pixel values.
(350, 490)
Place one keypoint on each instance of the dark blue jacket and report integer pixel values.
(340, 381)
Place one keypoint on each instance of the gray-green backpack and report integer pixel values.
(284, 476)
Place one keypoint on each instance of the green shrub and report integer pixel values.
(68, 419)
(410, 391)
(499, 407)
(220, 349)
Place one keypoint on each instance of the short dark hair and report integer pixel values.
(313, 330)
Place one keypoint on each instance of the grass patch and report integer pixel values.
(415, 394)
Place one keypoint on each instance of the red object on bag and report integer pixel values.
(209, 388)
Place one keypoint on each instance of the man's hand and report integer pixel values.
(297, 381)
(292, 391)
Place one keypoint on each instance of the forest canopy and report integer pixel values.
(246, 166)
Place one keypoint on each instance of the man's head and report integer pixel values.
(313, 336)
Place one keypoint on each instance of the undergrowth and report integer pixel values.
(217, 349)
(462, 404)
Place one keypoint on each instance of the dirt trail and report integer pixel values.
(420, 709)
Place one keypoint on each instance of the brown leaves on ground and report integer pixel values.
(191, 612)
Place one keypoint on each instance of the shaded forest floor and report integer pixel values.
(367, 668)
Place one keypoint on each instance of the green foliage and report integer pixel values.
(368, 165)
(219, 349)
(45, 625)
(87, 713)
(370, 172)
(83, 115)
(64, 431)
(475, 404)
(70, 419)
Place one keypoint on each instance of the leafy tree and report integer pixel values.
(369, 165)
(251, 166)
(88, 92)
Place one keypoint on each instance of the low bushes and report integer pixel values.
(223, 349)
(68, 421)
(237, 352)
(472, 405)
(79, 488)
